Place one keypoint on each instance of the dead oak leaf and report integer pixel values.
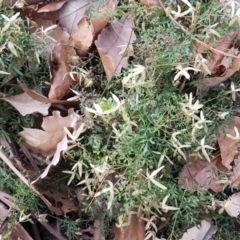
(232, 206)
(40, 98)
(235, 176)
(59, 68)
(204, 231)
(26, 105)
(228, 146)
(53, 6)
(61, 146)
(87, 31)
(223, 44)
(114, 45)
(198, 173)
(150, 2)
(134, 231)
(210, 82)
(45, 141)
(71, 13)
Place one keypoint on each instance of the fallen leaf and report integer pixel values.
(209, 82)
(200, 232)
(31, 12)
(97, 230)
(45, 141)
(235, 176)
(61, 80)
(71, 13)
(112, 41)
(56, 35)
(134, 231)
(83, 37)
(227, 145)
(53, 6)
(26, 105)
(198, 174)
(60, 198)
(43, 99)
(223, 44)
(150, 2)
(232, 206)
(236, 63)
(88, 30)
(102, 16)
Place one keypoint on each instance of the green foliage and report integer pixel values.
(130, 157)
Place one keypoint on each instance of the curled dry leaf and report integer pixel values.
(150, 2)
(87, 31)
(71, 13)
(43, 99)
(26, 105)
(228, 146)
(198, 173)
(53, 6)
(134, 231)
(59, 68)
(31, 12)
(205, 231)
(223, 44)
(45, 141)
(232, 206)
(209, 82)
(114, 45)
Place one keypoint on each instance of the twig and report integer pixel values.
(52, 230)
(194, 38)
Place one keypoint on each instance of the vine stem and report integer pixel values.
(184, 30)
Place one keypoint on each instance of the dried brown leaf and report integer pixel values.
(71, 13)
(87, 31)
(26, 105)
(209, 82)
(102, 17)
(235, 176)
(203, 232)
(227, 145)
(97, 230)
(223, 44)
(150, 2)
(61, 146)
(53, 6)
(134, 231)
(43, 99)
(83, 37)
(59, 34)
(200, 173)
(111, 41)
(232, 206)
(31, 12)
(236, 63)
(45, 141)
(61, 80)
(60, 198)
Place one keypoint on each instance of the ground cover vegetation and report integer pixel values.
(119, 119)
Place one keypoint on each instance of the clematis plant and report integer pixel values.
(100, 112)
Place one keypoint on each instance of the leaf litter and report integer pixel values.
(114, 42)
